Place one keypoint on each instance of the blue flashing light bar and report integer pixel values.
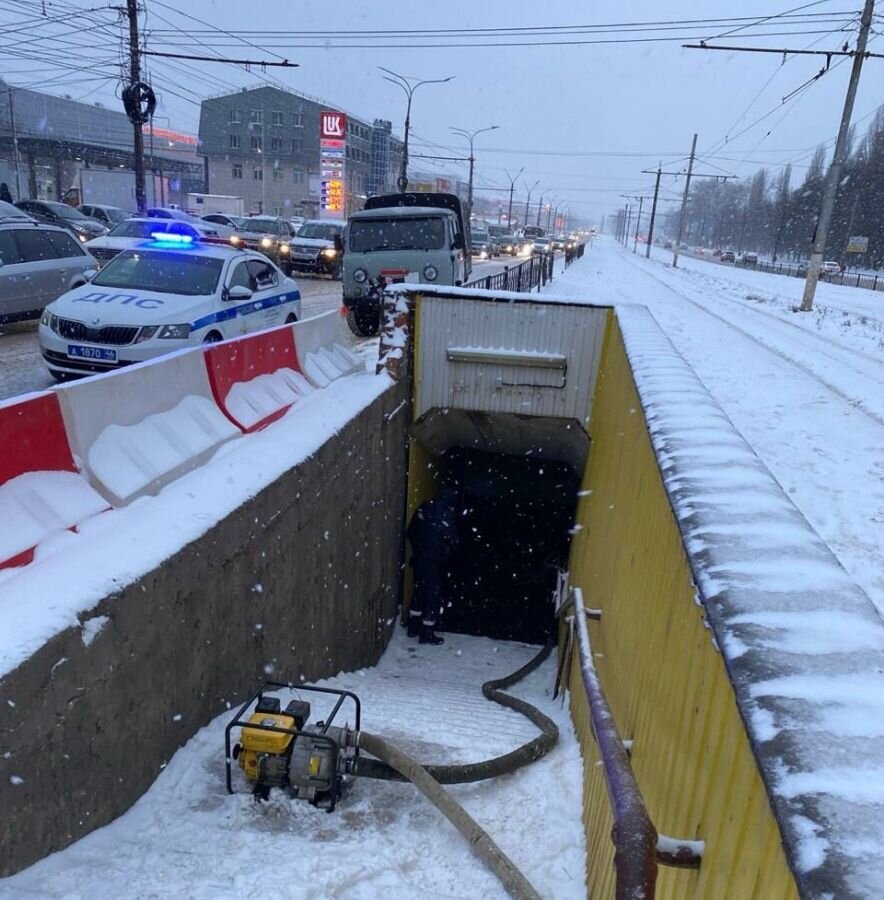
(169, 237)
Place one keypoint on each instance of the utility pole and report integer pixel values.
(628, 224)
(509, 215)
(528, 200)
(684, 204)
(653, 212)
(15, 154)
(539, 209)
(834, 174)
(135, 78)
(638, 222)
(409, 86)
(471, 136)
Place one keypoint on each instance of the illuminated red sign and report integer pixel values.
(332, 124)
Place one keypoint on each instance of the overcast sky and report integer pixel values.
(629, 105)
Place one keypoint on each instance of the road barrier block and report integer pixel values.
(256, 378)
(137, 429)
(322, 345)
(41, 490)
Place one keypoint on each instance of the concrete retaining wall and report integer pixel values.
(278, 584)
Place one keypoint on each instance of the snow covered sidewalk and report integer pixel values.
(806, 391)
(188, 838)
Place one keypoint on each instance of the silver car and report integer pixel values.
(38, 263)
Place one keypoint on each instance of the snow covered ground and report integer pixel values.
(805, 389)
(187, 838)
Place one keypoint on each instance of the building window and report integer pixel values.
(278, 174)
(256, 116)
(297, 145)
(258, 173)
(298, 120)
(277, 116)
(276, 143)
(257, 143)
(237, 170)
(236, 117)
(234, 142)
(298, 176)
(277, 210)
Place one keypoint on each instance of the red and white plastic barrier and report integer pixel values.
(71, 453)
(257, 378)
(323, 351)
(141, 427)
(41, 491)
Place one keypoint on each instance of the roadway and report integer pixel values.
(21, 365)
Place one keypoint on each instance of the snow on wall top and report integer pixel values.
(802, 642)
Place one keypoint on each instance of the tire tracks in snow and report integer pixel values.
(854, 402)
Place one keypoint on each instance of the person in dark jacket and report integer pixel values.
(4, 193)
(433, 536)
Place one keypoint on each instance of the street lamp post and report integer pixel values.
(409, 85)
(528, 200)
(509, 215)
(471, 136)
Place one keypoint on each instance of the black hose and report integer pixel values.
(489, 768)
(515, 883)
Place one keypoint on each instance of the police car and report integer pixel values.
(167, 293)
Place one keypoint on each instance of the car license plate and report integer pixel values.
(105, 355)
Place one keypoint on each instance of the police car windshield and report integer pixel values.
(162, 271)
(319, 231)
(137, 229)
(367, 235)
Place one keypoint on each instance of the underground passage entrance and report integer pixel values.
(514, 515)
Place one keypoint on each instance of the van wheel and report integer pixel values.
(213, 337)
(362, 322)
(290, 319)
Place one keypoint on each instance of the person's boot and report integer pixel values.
(428, 635)
(414, 625)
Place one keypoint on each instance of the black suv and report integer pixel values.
(53, 213)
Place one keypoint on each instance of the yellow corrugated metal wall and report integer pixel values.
(664, 679)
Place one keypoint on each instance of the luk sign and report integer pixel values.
(332, 125)
(332, 157)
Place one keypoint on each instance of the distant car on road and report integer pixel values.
(37, 264)
(270, 235)
(317, 248)
(510, 244)
(212, 229)
(233, 222)
(482, 245)
(830, 267)
(728, 256)
(53, 213)
(541, 246)
(107, 215)
(748, 259)
(161, 296)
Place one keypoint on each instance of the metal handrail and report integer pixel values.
(633, 833)
(638, 848)
(531, 273)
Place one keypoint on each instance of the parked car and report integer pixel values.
(728, 256)
(270, 235)
(134, 231)
(107, 215)
(53, 213)
(317, 248)
(161, 296)
(748, 259)
(830, 267)
(37, 264)
(211, 229)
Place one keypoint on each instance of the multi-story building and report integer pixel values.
(262, 144)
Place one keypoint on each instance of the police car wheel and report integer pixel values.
(213, 337)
